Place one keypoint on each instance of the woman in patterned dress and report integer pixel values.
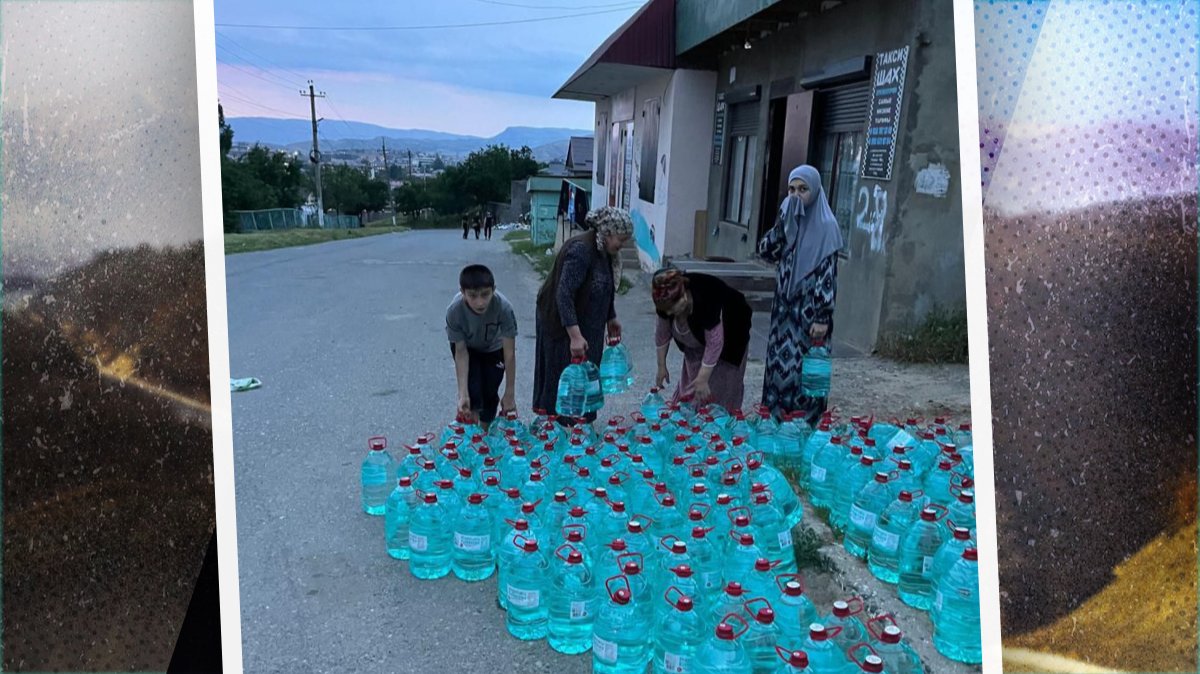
(575, 304)
(710, 323)
(804, 243)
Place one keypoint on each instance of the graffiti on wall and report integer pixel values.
(870, 213)
(643, 236)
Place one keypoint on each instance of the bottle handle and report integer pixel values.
(621, 564)
(608, 585)
(879, 620)
(649, 521)
(856, 601)
(377, 442)
(734, 616)
(853, 651)
(567, 528)
(570, 548)
(669, 537)
(667, 596)
(733, 517)
(784, 578)
(750, 603)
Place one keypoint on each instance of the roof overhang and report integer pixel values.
(642, 47)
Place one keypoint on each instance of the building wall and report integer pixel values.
(905, 247)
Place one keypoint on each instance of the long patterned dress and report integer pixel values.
(792, 318)
(553, 348)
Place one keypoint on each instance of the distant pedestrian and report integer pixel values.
(477, 226)
(488, 222)
(466, 224)
(482, 328)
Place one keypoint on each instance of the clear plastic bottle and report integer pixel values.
(616, 368)
(917, 549)
(678, 634)
(573, 390)
(865, 510)
(883, 557)
(508, 547)
(822, 474)
(528, 615)
(956, 632)
(794, 611)
(816, 370)
(572, 602)
(397, 514)
(897, 657)
(429, 540)
(762, 637)
(474, 556)
(824, 656)
(849, 631)
(378, 473)
(723, 652)
(849, 484)
(620, 643)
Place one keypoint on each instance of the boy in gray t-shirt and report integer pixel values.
(482, 329)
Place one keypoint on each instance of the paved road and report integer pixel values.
(348, 339)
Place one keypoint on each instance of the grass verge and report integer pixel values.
(286, 238)
(519, 241)
(941, 338)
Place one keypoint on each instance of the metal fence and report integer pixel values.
(291, 218)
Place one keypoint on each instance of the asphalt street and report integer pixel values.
(348, 339)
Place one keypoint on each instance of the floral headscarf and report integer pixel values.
(610, 221)
(666, 288)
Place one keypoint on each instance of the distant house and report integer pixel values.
(580, 156)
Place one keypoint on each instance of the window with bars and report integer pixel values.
(740, 161)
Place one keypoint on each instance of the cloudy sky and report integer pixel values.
(99, 127)
(474, 80)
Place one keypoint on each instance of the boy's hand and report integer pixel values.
(464, 407)
(508, 403)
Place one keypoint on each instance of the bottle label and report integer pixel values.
(926, 565)
(676, 664)
(472, 543)
(711, 579)
(885, 540)
(604, 650)
(817, 474)
(785, 539)
(581, 610)
(523, 598)
(417, 542)
(863, 518)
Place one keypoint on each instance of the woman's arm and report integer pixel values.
(570, 278)
(825, 292)
(770, 247)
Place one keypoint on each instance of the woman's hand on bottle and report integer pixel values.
(818, 330)
(662, 377)
(579, 347)
(614, 329)
(702, 391)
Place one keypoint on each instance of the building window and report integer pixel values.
(740, 162)
(648, 167)
(840, 141)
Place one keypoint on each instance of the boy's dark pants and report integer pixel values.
(485, 371)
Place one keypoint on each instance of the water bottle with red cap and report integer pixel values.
(824, 656)
(672, 551)
(638, 539)
(474, 555)
(773, 532)
(869, 664)
(678, 634)
(897, 656)
(845, 617)
(823, 472)
(619, 638)
(852, 480)
(398, 512)
(641, 587)
(429, 540)
(574, 390)
(731, 599)
(723, 652)
(652, 404)
(377, 475)
(956, 632)
(706, 560)
(917, 549)
(950, 552)
(760, 582)
(571, 601)
(506, 553)
(740, 559)
(816, 370)
(528, 615)
(962, 510)
(794, 611)
(883, 556)
(781, 489)
(508, 509)
(762, 637)
(684, 578)
(616, 367)
(766, 436)
(865, 510)
(794, 662)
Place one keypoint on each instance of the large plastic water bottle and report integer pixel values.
(429, 540)
(740, 559)
(572, 602)
(870, 503)
(794, 611)
(883, 557)
(678, 633)
(845, 627)
(815, 371)
(824, 656)
(573, 390)
(956, 632)
(508, 546)
(774, 533)
(652, 404)
(378, 474)
(852, 480)
(397, 513)
(706, 561)
(962, 511)
(762, 637)
(683, 578)
(767, 432)
(897, 657)
(594, 399)
(949, 554)
(917, 550)
(781, 490)
(732, 599)
(822, 474)
(813, 444)
(528, 615)
(616, 368)
(474, 551)
(723, 652)
(938, 483)
(620, 643)
(794, 662)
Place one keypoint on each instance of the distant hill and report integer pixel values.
(296, 134)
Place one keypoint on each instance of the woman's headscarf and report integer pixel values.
(666, 288)
(811, 232)
(610, 221)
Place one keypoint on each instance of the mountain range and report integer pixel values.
(296, 134)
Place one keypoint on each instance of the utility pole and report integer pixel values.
(315, 157)
(387, 177)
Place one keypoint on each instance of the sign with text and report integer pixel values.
(887, 91)
(718, 146)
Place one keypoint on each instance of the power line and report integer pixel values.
(338, 114)
(257, 76)
(247, 101)
(428, 27)
(257, 55)
(624, 5)
(275, 78)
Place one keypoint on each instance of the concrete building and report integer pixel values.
(704, 106)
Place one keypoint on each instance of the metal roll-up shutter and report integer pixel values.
(743, 119)
(845, 108)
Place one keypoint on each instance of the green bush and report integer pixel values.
(940, 338)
